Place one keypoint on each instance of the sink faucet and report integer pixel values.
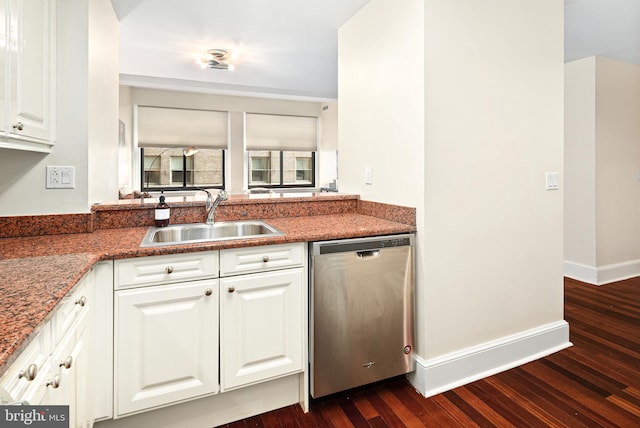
(211, 205)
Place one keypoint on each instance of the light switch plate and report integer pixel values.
(61, 177)
(552, 181)
(368, 175)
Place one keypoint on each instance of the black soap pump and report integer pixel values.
(162, 213)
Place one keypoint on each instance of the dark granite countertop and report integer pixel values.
(36, 272)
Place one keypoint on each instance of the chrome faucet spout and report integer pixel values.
(212, 204)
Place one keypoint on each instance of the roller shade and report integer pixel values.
(275, 132)
(174, 127)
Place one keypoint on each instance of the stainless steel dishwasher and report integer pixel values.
(361, 314)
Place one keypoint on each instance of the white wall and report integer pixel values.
(125, 151)
(328, 147)
(103, 94)
(494, 126)
(381, 95)
(580, 162)
(602, 239)
(22, 174)
(618, 161)
(458, 107)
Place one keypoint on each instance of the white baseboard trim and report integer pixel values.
(618, 272)
(444, 373)
(580, 272)
(604, 274)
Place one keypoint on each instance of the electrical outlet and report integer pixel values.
(61, 177)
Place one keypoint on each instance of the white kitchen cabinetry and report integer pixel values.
(101, 337)
(262, 320)
(55, 368)
(27, 89)
(166, 337)
(71, 373)
(25, 379)
(182, 334)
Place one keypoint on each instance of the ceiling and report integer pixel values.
(609, 28)
(288, 48)
(284, 47)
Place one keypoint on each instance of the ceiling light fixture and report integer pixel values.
(216, 59)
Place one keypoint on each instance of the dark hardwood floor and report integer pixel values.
(594, 383)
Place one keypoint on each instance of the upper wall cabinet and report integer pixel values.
(27, 74)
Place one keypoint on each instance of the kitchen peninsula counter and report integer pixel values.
(36, 272)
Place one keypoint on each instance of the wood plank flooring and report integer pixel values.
(594, 383)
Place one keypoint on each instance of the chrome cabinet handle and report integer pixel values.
(208, 292)
(55, 383)
(66, 363)
(265, 259)
(18, 126)
(30, 373)
(169, 269)
(231, 289)
(81, 301)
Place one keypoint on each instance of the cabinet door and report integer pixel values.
(70, 379)
(32, 68)
(166, 344)
(63, 378)
(83, 368)
(261, 331)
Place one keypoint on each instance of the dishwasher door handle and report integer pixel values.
(368, 253)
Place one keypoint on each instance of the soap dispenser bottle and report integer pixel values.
(162, 213)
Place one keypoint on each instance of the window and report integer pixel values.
(170, 169)
(297, 169)
(178, 166)
(163, 136)
(304, 169)
(260, 171)
(281, 150)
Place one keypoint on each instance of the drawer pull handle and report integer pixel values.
(30, 373)
(18, 126)
(265, 259)
(81, 301)
(55, 383)
(231, 289)
(67, 362)
(208, 292)
(169, 269)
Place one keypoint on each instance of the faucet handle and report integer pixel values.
(209, 202)
(223, 195)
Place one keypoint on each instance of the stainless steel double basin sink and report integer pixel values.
(199, 232)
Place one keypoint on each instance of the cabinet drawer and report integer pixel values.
(153, 270)
(258, 259)
(35, 354)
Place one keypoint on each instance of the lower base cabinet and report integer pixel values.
(260, 326)
(166, 346)
(67, 382)
(56, 367)
(191, 326)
